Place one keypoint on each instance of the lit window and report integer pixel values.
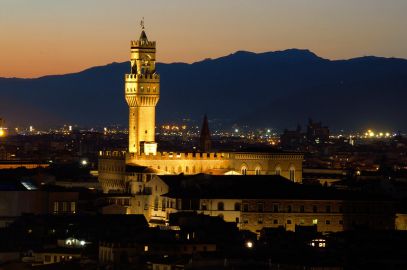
(315, 221)
(244, 170)
(278, 170)
(56, 207)
(64, 207)
(292, 173)
(257, 170)
(73, 207)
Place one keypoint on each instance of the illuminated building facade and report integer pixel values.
(142, 91)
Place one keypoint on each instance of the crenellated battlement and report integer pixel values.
(114, 154)
(179, 156)
(142, 43)
(268, 156)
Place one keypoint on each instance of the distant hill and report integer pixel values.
(274, 89)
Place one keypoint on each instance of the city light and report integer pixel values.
(249, 244)
(2, 132)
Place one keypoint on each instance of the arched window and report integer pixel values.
(221, 206)
(292, 173)
(278, 170)
(186, 169)
(257, 170)
(243, 170)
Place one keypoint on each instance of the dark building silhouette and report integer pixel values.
(316, 133)
(292, 139)
(205, 137)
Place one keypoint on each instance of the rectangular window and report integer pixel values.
(245, 207)
(64, 207)
(341, 222)
(315, 221)
(302, 208)
(203, 207)
(328, 209)
(275, 221)
(288, 221)
(327, 222)
(314, 209)
(56, 207)
(275, 208)
(260, 220)
(73, 207)
(289, 208)
(260, 207)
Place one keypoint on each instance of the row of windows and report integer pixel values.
(64, 207)
(289, 208)
(277, 171)
(275, 208)
(142, 89)
(289, 222)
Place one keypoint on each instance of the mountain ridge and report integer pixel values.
(275, 89)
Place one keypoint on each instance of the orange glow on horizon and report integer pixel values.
(48, 37)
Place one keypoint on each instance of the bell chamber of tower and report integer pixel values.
(142, 92)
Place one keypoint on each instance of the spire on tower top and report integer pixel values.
(205, 138)
(142, 23)
(143, 35)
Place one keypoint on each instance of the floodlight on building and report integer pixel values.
(84, 162)
(249, 244)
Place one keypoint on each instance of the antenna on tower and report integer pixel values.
(142, 23)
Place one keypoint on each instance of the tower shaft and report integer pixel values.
(142, 92)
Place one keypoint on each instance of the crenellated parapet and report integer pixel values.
(178, 156)
(136, 44)
(113, 154)
(267, 156)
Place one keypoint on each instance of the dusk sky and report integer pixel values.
(44, 37)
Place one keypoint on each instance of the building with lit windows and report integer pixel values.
(270, 201)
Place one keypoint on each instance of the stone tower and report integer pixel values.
(142, 91)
